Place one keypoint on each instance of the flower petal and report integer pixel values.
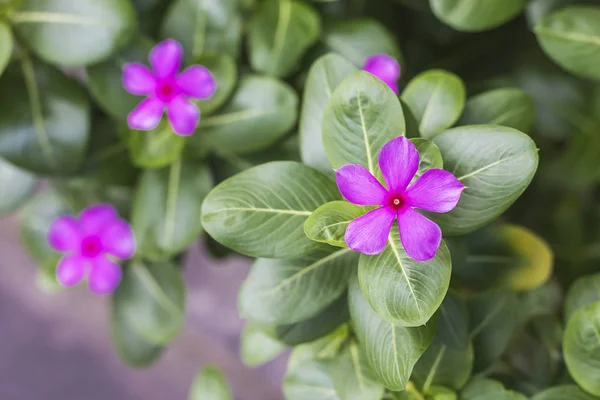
(105, 275)
(383, 66)
(65, 234)
(420, 236)
(197, 82)
(399, 161)
(118, 240)
(95, 219)
(358, 186)
(369, 233)
(165, 58)
(183, 115)
(138, 79)
(70, 270)
(436, 190)
(146, 115)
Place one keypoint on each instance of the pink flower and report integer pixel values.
(89, 242)
(167, 90)
(436, 190)
(385, 68)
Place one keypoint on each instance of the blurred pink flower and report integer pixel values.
(385, 68)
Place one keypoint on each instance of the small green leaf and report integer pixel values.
(583, 292)
(210, 384)
(507, 107)
(328, 223)
(279, 33)
(16, 186)
(436, 99)
(488, 389)
(310, 381)
(257, 347)
(75, 33)
(156, 148)
(473, 16)
(326, 348)
(430, 156)
(261, 211)
(570, 392)
(352, 376)
(6, 46)
(224, 70)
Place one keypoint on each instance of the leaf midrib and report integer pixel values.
(38, 17)
(408, 283)
(576, 37)
(498, 162)
(155, 290)
(365, 134)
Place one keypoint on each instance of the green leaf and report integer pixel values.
(75, 33)
(570, 392)
(156, 148)
(257, 347)
(492, 324)
(583, 292)
(538, 9)
(261, 211)
(436, 99)
(473, 16)
(207, 26)
(581, 347)
(326, 348)
(507, 107)
(260, 112)
(546, 299)
(224, 70)
(310, 381)
(495, 163)
(166, 211)
(571, 37)
(401, 290)
(323, 78)
(488, 389)
(210, 384)
(6, 46)
(352, 376)
(392, 351)
(16, 186)
(151, 300)
(328, 223)
(362, 115)
(358, 39)
(48, 113)
(279, 33)
(430, 156)
(288, 291)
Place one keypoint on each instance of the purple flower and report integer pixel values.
(436, 190)
(90, 242)
(385, 68)
(165, 89)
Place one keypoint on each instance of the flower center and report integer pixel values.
(165, 91)
(91, 246)
(396, 201)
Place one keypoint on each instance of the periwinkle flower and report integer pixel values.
(165, 89)
(436, 190)
(385, 68)
(91, 243)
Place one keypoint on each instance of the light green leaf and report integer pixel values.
(476, 15)
(224, 70)
(261, 211)
(16, 186)
(310, 381)
(571, 37)
(260, 112)
(570, 392)
(352, 376)
(156, 148)
(323, 78)
(362, 115)
(151, 300)
(288, 291)
(210, 384)
(430, 156)
(507, 107)
(581, 347)
(257, 347)
(401, 290)
(279, 33)
(6, 46)
(326, 348)
(583, 292)
(495, 163)
(166, 210)
(488, 389)
(45, 119)
(436, 99)
(392, 351)
(328, 223)
(538, 9)
(76, 33)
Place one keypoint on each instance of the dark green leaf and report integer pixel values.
(257, 347)
(471, 16)
(16, 186)
(328, 223)
(352, 376)
(210, 384)
(156, 148)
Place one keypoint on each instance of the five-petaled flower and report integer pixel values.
(167, 90)
(90, 243)
(385, 68)
(436, 190)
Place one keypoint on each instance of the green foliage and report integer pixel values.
(210, 384)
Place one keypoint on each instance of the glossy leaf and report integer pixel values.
(571, 37)
(151, 300)
(310, 381)
(323, 78)
(430, 156)
(401, 290)
(6, 46)
(436, 99)
(261, 211)
(583, 292)
(48, 113)
(496, 164)
(328, 223)
(16, 186)
(156, 148)
(507, 107)
(571, 392)
(257, 346)
(93, 29)
(210, 384)
(362, 115)
(166, 211)
(224, 70)
(472, 16)
(352, 376)
(392, 351)
(288, 291)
